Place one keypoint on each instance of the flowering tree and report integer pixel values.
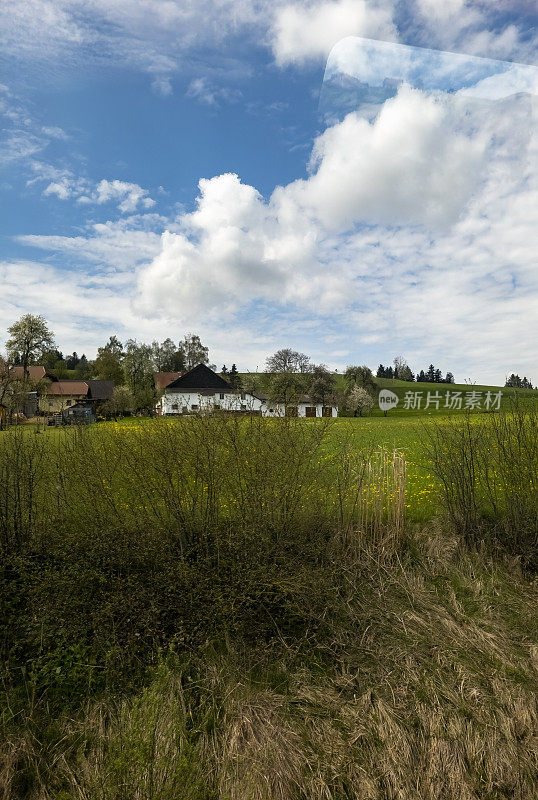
(359, 401)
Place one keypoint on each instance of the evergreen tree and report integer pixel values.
(438, 376)
(389, 373)
(71, 361)
(430, 375)
(449, 378)
(109, 362)
(421, 377)
(380, 371)
(83, 368)
(234, 378)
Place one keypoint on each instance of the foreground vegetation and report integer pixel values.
(222, 608)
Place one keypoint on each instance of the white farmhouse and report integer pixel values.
(201, 390)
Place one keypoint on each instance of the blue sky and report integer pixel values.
(165, 169)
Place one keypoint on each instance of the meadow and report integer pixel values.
(247, 609)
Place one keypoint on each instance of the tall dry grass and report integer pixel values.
(423, 687)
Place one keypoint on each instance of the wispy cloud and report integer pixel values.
(203, 90)
(64, 185)
(160, 39)
(121, 245)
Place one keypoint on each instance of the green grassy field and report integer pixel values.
(406, 434)
(405, 431)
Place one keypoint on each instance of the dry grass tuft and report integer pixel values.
(261, 756)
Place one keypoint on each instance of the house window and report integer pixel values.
(243, 407)
(68, 402)
(185, 410)
(221, 396)
(175, 406)
(194, 407)
(311, 411)
(217, 406)
(326, 411)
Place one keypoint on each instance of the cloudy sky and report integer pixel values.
(356, 179)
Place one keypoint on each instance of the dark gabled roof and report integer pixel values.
(100, 390)
(201, 377)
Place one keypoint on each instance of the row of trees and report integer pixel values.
(403, 372)
(434, 375)
(515, 382)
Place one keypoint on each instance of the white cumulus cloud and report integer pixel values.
(409, 166)
(302, 32)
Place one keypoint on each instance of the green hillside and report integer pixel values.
(404, 408)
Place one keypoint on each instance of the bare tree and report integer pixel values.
(402, 369)
(322, 385)
(287, 360)
(360, 376)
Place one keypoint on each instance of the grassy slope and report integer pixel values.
(401, 387)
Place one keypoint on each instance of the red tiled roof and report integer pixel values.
(35, 374)
(68, 388)
(162, 379)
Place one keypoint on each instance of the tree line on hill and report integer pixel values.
(403, 372)
(515, 382)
